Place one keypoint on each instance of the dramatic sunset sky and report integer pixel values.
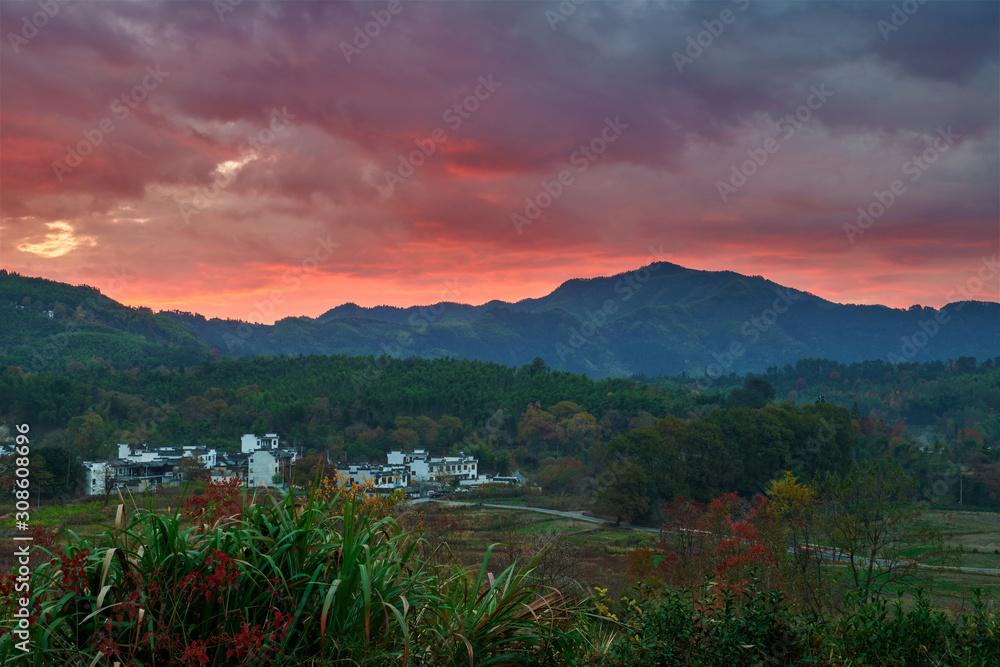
(155, 101)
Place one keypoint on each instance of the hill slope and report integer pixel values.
(85, 325)
(661, 319)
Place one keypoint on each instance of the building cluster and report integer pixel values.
(425, 468)
(262, 461)
(385, 478)
(140, 468)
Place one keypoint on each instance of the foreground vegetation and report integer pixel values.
(342, 577)
(268, 580)
(702, 627)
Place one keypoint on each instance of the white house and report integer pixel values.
(97, 476)
(384, 477)
(264, 464)
(141, 475)
(166, 454)
(261, 458)
(425, 468)
(143, 467)
(251, 443)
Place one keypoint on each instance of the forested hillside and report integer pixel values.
(570, 433)
(84, 326)
(929, 399)
(661, 319)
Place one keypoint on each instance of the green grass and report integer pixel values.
(53, 516)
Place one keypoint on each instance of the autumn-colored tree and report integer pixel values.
(732, 541)
(686, 547)
(746, 549)
(640, 566)
(192, 468)
(973, 435)
(582, 432)
(796, 514)
(406, 438)
(565, 409)
(558, 476)
(539, 430)
(306, 469)
(426, 430)
(641, 419)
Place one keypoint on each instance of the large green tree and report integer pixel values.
(869, 518)
(622, 492)
(66, 470)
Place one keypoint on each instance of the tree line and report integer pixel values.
(570, 433)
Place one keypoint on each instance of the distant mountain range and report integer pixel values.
(660, 319)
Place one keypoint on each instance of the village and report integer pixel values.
(264, 461)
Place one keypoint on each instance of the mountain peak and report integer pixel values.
(661, 318)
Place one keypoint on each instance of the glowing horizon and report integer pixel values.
(178, 156)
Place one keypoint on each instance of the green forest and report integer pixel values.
(569, 433)
(747, 487)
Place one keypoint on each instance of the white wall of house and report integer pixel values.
(208, 456)
(263, 466)
(248, 443)
(420, 470)
(96, 477)
(251, 443)
(264, 463)
(447, 467)
(125, 452)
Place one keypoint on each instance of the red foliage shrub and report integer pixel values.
(222, 499)
(731, 541)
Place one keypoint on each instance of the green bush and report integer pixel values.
(691, 627)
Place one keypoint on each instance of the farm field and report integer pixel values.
(588, 555)
(596, 551)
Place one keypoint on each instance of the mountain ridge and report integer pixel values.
(659, 319)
